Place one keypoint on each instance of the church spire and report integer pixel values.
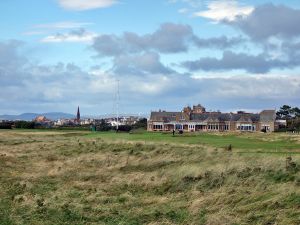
(78, 114)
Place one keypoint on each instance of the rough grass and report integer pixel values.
(104, 178)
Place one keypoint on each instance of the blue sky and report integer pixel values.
(227, 55)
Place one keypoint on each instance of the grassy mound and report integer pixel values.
(82, 178)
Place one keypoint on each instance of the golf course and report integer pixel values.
(80, 177)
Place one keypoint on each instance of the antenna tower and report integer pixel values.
(118, 102)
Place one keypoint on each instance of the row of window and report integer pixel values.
(157, 127)
(241, 127)
(193, 127)
(246, 127)
(218, 127)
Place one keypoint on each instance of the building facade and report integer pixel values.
(196, 119)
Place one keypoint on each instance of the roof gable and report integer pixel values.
(165, 116)
(267, 115)
(264, 116)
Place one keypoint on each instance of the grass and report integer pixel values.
(274, 141)
(65, 177)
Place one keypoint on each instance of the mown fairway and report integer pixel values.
(148, 178)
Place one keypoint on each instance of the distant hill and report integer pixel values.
(60, 115)
(114, 115)
(31, 116)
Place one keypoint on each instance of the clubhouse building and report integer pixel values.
(196, 119)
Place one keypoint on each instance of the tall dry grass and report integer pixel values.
(53, 178)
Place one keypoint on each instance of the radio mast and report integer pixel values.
(118, 102)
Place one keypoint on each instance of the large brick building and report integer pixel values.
(197, 119)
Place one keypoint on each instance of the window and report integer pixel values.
(157, 127)
(246, 127)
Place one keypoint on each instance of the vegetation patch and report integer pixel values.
(138, 178)
(280, 176)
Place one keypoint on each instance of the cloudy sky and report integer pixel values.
(227, 55)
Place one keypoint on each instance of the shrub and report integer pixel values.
(24, 125)
(124, 128)
(293, 199)
(291, 166)
(142, 123)
(103, 126)
(280, 176)
(228, 148)
(5, 125)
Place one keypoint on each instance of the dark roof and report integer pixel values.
(165, 116)
(222, 117)
(245, 117)
(264, 116)
(267, 115)
(211, 117)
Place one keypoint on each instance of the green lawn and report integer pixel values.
(271, 142)
(244, 142)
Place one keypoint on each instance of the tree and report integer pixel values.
(6, 125)
(103, 126)
(24, 125)
(142, 123)
(296, 112)
(291, 115)
(124, 128)
(284, 112)
(287, 112)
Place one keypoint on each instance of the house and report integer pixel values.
(41, 119)
(197, 119)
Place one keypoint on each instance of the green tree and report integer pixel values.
(296, 112)
(142, 123)
(291, 115)
(103, 126)
(24, 125)
(285, 112)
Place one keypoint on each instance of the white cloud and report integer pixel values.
(183, 10)
(80, 35)
(80, 5)
(28, 86)
(151, 87)
(42, 29)
(52, 93)
(191, 3)
(102, 82)
(31, 33)
(227, 10)
(62, 25)
(261, 86)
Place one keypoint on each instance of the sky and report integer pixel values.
(227, 55)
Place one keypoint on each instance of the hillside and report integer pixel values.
(31, 116)
(107, 178)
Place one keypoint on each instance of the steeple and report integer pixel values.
(78, 114)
